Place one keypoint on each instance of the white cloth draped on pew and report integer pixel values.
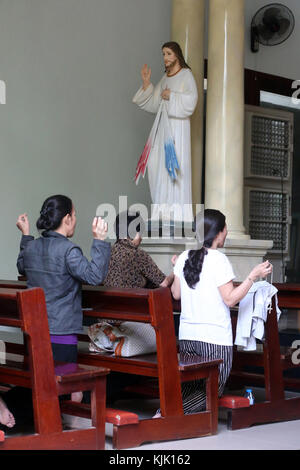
(252, 314)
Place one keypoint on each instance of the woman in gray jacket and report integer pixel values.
(57, 265)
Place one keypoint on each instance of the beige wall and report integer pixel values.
(68, 126)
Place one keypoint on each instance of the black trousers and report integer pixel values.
(64, 352)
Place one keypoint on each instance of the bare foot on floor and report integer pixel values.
(77, 396)
(6, 417)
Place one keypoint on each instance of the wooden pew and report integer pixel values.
(273, 361)
(154, 307)
(26, 309)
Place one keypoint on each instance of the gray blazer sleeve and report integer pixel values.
(20, 261)
(90, 272)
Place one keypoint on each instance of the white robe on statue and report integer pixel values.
(182, 103)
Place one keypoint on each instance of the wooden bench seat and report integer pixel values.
(36, 370)
(190, 368)
(265, 369)
(273, 359)
(145, 364)
(154, 307)
(66, 374)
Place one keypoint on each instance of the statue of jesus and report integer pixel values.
(178, 89)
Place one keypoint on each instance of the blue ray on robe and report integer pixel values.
(171, 159)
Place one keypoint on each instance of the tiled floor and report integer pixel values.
(279, 436)
(275, 436)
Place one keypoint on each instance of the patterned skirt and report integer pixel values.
(193, 393)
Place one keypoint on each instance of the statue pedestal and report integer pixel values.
(243, 254)
(161, 251)
(170, 230)
(166, 239)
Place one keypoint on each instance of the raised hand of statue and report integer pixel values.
(146, 76)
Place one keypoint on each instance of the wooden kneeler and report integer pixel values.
(233, 402)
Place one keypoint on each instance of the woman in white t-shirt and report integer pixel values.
(204, 282)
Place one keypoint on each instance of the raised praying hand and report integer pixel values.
(99, 228)
(23, 224)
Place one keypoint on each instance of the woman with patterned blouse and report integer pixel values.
(130, 266)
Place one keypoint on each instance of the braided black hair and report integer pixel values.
(214, 223)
